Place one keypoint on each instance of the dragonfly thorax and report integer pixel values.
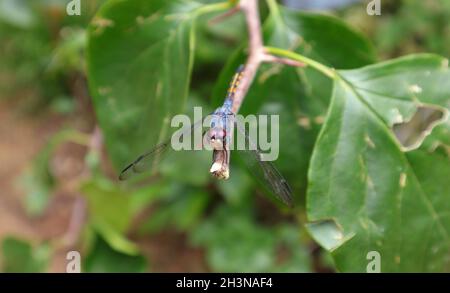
(217, 137)
(219, 126)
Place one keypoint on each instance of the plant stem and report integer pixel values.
(213, 7)
(328, 71)
(273, 7)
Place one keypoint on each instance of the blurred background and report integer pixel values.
(57, 187)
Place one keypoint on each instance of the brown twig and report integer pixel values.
(256, 55)
(255, 50)
(285, 61)
(76, 222)
(78, 216)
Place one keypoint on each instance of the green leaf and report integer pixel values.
(376, 196)
(215, 43)
(110, 213)
(323, 37)
(18, 256)
(139, 67)
(104, 259)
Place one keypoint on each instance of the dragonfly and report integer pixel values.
(222, 123)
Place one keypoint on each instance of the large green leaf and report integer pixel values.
(139, 68)
(365, 193)
(299, 95)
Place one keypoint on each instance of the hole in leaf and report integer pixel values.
(412, 132)
(328, 233)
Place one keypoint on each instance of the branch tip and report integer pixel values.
(286, 61)
(222, 17)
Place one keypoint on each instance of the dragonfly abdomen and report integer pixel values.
(236, 80)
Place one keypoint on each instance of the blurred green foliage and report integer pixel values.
(104, 259)
(405, 26)
(42, 49)
(38, 181)
(416, 26)
(20, 256)
(237, 243)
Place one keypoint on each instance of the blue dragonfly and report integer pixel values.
(222, 124)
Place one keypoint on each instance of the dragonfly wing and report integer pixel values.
(144, 162)
(264, 171)
(151, 159)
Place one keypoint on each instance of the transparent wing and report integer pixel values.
(264, 171)
(151, 159)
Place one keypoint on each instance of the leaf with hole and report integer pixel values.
(377, 197)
